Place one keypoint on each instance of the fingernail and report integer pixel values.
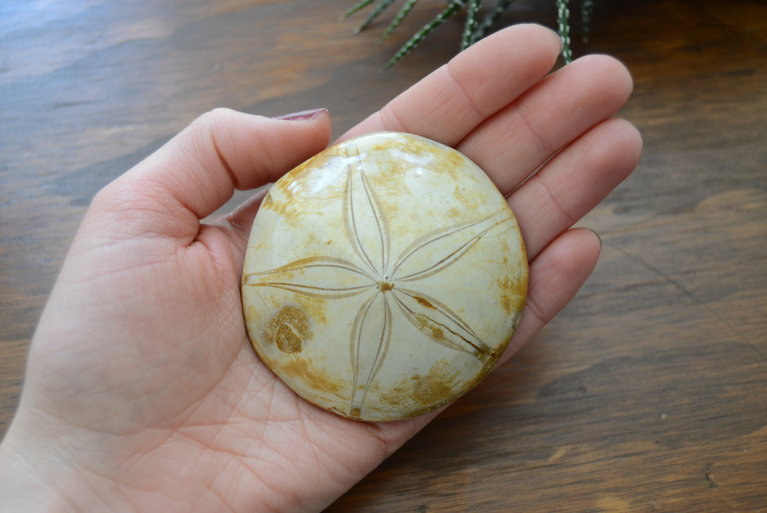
(598, 237)
(304, 115)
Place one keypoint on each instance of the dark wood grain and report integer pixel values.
(649, 393)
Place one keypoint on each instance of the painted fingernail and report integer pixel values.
(304, 115)
(598, 237)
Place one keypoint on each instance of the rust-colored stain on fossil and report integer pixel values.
(284, 194)
(429, 326)
(277, 206)
(314, 307)
(453, 212)
(288, 329)
(467, 202)
(319, 160)
(454, 163)
(298, 367)
(512, 293)
(437, 386)
(424, 302)
(411, 146)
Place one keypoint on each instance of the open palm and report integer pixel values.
(143, 393)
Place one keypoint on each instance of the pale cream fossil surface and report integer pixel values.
(383, 277)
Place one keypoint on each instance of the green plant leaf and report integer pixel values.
(474, 29)
(404, 11)
(489, 20)
(358, 6)
(470, 26)
(444, 14)
(563, 22)
(587, 8)
(380, 8)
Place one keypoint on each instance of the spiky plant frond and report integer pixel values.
(380, 8)
(490, 18)
(452, 8)
(470, 26)
(358, 7)
(401, 14)
(475, 26)
(563, 22)
(587, 8)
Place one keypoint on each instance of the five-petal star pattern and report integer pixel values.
(384, 284)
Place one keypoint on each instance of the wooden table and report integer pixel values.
(649, 393)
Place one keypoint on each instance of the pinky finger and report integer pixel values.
(556, 275)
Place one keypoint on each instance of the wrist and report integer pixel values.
(21, 485)
(37, 475)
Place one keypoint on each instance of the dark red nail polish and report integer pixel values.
(304, 115)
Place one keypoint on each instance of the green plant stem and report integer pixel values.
(448, 11)
(358, 6)
(404, 11)
(381, 7)
(474, 28)
(489, 20)
(470, 26)
(587, 8)
(563, 21)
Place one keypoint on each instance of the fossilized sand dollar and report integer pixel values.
(383, 277)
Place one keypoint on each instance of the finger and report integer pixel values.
(516, 141)
(555, 277)
(198, 170)
(575, 181)
(451, 101)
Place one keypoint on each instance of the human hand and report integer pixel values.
(142, 390)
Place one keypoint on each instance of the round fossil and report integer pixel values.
(383, 277)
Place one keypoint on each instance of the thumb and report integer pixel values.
(198, 170)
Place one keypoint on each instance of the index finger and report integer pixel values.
(454, 99)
